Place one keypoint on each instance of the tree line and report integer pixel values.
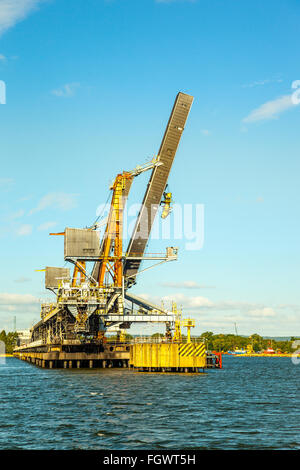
(221, 342)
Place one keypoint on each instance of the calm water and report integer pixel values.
(253, 403)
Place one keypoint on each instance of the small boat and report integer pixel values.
(269, 351)
(237, 351)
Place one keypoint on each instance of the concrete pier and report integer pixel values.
(110, 357)
(144, 357)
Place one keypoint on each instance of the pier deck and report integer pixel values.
(74, 354)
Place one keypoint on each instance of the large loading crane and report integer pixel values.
(95, 300)
(156, 186)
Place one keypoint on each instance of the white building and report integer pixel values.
(24, 337)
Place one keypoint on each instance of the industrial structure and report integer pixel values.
(95, 298)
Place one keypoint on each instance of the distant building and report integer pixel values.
(23, 337)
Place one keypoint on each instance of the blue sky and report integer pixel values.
(90, 85)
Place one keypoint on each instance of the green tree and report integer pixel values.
(208, 339)
(3, 336)
(11, 342)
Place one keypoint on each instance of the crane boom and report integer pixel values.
(157, 184)
(113, 231)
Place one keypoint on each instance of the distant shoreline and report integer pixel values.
(261, 355)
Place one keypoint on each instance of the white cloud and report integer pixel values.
(263, 312)
(13, 11)
(188, 302)
(262, 82)
(220, 316)
(66, 90)
(24, 230)
(203, 303)
(180, 299)
(186, 284)
(17, 299)
(236, 305)
(198, 301)
(61, 201)
(2, 57)
(5, 183)
(18, 214)
(25, 198)
(23, 279)
(271, 109)
(23, 306)
(47, 225)
(205, 132)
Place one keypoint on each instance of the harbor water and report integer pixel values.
(252, 403)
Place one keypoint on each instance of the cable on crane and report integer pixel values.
(101, 213)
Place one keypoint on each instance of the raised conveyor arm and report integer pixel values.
(157, 185)
(144, 303)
